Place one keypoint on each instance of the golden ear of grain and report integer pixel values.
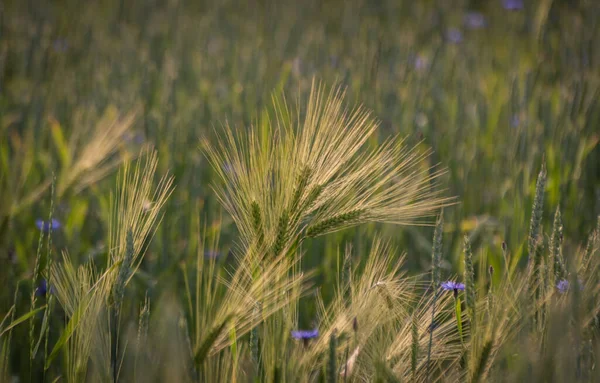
(136, 207)
(96, 156)
(369, 303)
(317, 173)
(83, 295)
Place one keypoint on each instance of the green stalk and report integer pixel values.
(458, 312)
(470, 292)
(49, 282)
(534, 252)
(482, 363)
(436, 258)
(414, 355)
(556, 261)
(119, 293)
(332, 367)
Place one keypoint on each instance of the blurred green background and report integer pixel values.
(494, 88)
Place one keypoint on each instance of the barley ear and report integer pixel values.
(124, 271)
(556, 257)
(257, 223)
(142, 334)
(282, 233)
(535, 255)
(303, 179)
(334, 223)
(536, 214)
(313, 194)
(34, 285)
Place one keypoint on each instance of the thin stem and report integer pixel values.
(431, 328)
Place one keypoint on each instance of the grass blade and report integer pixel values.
(204, 348)
(22, 319)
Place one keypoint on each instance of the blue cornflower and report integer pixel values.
(474, 20)
(512, 5)
(47, 226)
(305, 334)
(454, 36)
(421, 63)
(563, 285)
(451, 285)
(42, 289)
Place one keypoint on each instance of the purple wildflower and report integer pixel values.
(47, 226)
(474, 20)
(563, 285)
(454, 36)
(421, 63)
(42, 289)
(305, 334)
(512, 5)
(451, 285)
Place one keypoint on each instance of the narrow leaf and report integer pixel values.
(21, 319)
(67, 333)
(203, 349)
